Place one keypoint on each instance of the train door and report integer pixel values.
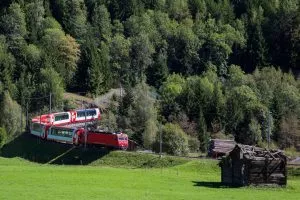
(76, 137)
(73, 116)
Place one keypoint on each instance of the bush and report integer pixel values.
(175, 141)
(69, 104)
(3, 137)
(10, 116)
(194, 144)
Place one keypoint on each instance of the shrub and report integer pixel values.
(69, 104)
(194, 144)
(10, 116)
(3, 137)
(175, 141)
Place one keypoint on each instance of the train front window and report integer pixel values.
(122, 138)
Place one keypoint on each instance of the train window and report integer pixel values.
(80, 113)
(60, 117)
(91, 112)
(62, 132)
(88, 113)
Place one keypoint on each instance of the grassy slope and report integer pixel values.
(115, 175)
(102, 101)
(196, 179)
(33, 149)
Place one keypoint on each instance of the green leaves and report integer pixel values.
(74, 18)
(3, 137)
(61, 52)
(138, 113)
(198, 53)
(172, 88)
(34, 17)
(11, 116)
(50, 81)
(7, 66)
(120, 61)
(101, 22)
(13, 22)
(175, 141)
(141, 54)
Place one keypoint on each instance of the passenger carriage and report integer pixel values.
(63, 118)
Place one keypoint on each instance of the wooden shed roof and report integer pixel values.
(256, 153)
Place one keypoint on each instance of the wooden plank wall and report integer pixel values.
(262, 171)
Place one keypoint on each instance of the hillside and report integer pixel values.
(197, 69)
(36, 150)
(102, 101)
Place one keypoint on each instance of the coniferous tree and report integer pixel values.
(7, 66)
(203, 135)
(101, 23)
(158, 71)
(13, 22)
(73, 15)
(256, 47)
(34, 17)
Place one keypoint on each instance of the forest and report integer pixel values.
(191, 69)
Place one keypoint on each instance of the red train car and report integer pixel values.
(74, 116)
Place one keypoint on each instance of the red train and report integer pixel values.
(63, 127)
(76, 136)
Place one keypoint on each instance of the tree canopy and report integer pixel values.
(220, 68)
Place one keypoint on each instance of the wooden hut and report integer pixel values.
(248, 165)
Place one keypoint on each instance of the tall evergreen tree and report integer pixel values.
(34, 17)
(158, 71)
(13, 22)
(256, 47)
(7, 66)
(73, 15)
(101, 23)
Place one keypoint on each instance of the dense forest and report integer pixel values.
(193, 69)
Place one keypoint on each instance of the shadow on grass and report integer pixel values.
(210, 184)
(41, 151)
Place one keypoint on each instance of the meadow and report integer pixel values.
(113, 178)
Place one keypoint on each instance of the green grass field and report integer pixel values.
(35, 169)
(188, 179)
